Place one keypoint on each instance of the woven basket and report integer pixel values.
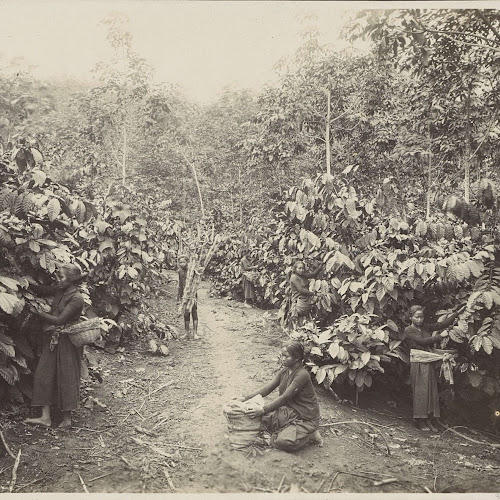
(84, 333)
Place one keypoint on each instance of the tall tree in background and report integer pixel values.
(455, 57)
(115, 107)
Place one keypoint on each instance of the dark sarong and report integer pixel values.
(289, 432)
(425, 390)
(57, 375)
(248, 289)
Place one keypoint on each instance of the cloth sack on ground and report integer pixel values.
(243, 431)
(447, 357)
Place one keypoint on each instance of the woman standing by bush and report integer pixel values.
(423, 375)
(57, 375)
(247, 271)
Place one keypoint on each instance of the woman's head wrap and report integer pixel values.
(73, 272)
(295, 349)
(414, 309)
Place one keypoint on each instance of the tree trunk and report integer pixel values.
(467, 155)
(241, 195)
(124, 156)
(327, 132)
(195, 176)
(429, 176)
(202, 208)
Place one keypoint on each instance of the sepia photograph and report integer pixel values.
(249, 248)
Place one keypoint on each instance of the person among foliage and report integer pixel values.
(57, 375)
(188, 315)
(292, 418)
(426, 412)
(247, 269)
(302, 297)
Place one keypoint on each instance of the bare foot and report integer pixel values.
(65, 424)
(316, 438)
(38, 421)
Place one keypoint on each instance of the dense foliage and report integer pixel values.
(44, 224)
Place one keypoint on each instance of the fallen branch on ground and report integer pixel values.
(357, 475)
(127, 462)
(83, 484)
(85, 429)
(7, 449)
(14, 472)
(496, 446)
(152, 447)
(162, 386)
(385, 481)
(100, 477)
(281, 483)
(182, 447)
(167, 475)
(320, 485)
(331, 424)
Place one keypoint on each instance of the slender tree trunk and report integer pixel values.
(429, 175)
(241, 195)
(124, 155)
(195, 175)
(327, 132)
(467, 155)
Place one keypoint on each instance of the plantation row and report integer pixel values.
(43, 224)
(378, 259)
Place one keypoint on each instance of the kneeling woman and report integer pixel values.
(293, 417)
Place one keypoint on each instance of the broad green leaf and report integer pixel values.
(39, 177)
(10, 283)
(320, 375)
(487, 345)
(316, 351)
(10, 303)
(333, 349)
(53, 209)
(365, 357)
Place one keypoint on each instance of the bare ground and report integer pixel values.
(161, 427)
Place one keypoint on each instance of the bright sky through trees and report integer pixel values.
(203, 46)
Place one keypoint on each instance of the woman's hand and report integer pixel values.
(443, 334)
(255, 412)
(32, 309)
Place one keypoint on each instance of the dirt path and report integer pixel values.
(177, 400)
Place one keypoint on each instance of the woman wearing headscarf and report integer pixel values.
(57, 375)
(293, 417)
(423, 376)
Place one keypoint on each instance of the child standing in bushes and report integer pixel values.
(193, 314)
(302, 297)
